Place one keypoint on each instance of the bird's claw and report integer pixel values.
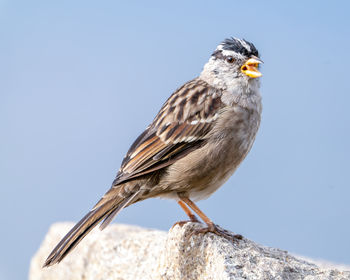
(218, 231)
(193, 219)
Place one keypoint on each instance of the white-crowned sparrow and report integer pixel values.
(194, 144)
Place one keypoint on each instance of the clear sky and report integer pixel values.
(79, 80)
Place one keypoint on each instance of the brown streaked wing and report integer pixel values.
(181, 126)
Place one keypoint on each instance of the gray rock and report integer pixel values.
(129, 252)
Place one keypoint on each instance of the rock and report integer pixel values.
(129, 252)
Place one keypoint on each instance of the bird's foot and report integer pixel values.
(193, 219)
(218, 231)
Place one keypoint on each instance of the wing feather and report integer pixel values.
(180, 127)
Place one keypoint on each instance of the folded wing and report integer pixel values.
(182, 125)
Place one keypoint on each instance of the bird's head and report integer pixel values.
(233, 59)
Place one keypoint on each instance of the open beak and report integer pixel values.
(250, 67)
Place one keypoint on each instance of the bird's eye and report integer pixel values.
(230, 59)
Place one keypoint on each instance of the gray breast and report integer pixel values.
(232, 138)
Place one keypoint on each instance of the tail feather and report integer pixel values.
(76, 234)
(106, 211)
(109, 217)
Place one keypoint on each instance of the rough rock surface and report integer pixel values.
(129, 252)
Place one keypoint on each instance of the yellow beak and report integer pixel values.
(250, 68)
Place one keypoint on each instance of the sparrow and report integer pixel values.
(194, 144)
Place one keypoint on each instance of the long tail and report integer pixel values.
(105, 211)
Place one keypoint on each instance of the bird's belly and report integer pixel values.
(210, 177)
(204, 170)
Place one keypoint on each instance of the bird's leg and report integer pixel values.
(188, 212)
(211, 227)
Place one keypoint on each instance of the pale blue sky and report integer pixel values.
(79, 80)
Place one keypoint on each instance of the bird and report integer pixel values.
(194, 144)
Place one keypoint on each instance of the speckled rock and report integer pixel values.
(129, 252)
